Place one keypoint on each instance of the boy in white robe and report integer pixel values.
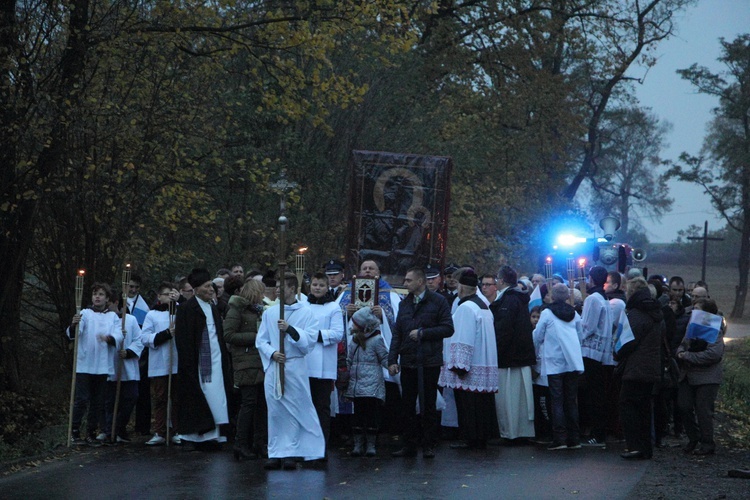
(99, 334)
(293, 425)
(129, 374)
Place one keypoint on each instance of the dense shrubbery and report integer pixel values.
(21, 415)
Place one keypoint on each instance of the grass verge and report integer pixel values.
(734, 396)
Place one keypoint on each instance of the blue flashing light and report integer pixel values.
(568, 240)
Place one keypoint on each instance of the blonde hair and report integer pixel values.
(636, 284)
(252, 291)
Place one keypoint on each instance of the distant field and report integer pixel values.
(722, 282)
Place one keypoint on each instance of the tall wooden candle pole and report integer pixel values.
(171, 364)
(118, 369)
(79, 306)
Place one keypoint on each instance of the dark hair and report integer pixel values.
(418, 271)
(164, 285)
(488, 275)
(223, 270)
(253, 272)
(103, 287)
(319, 276)
(708, 305)
(232, 284)
(658, 285)
(508, 275)
(615, 278)
(676, 279)
(290, 279)
(535, 309)
(269, 279)
(181, 284)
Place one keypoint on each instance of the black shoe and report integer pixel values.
(688, 448)
(273, 464)
(290, 464)
(428, 452)
(705, 450)
(635, 455)
(92, 441)
(243, 453)
(405, 452)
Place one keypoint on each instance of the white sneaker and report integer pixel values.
(176, 439)
(102, 437)
(156, 440)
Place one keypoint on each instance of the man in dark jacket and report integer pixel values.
(515, 357)
(205, 378)
(423, 321)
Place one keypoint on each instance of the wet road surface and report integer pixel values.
(137, 471)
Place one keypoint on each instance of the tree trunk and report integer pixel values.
(17, 224)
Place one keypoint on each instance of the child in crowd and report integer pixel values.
(367, 355)
(158, 332)
(99, 335)
(542, 417)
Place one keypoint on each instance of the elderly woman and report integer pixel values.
(700, 375)
(556, 340)
(639, 365)
(240, 330)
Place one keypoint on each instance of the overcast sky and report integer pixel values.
(673, 99)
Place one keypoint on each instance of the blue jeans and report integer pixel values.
(563, 388)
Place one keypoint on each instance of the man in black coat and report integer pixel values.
(203, 361)
(423, 321)
(515, 357)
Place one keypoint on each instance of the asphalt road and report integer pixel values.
(136, 471)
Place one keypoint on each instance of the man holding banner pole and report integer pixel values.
(700, 355)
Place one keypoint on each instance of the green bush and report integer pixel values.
(734, 394)
(23, 414)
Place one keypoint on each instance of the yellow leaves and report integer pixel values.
(217, 239)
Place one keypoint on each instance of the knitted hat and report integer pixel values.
(198, 276)
(365, 320)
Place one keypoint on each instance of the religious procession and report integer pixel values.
(282, 364)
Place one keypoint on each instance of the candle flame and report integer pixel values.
(127, 266)
(302, 250)
(81, 272)
(549, 260)
(581, 262)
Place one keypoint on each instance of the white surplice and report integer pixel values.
(293, 425)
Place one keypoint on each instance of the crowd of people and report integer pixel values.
(283, 367)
